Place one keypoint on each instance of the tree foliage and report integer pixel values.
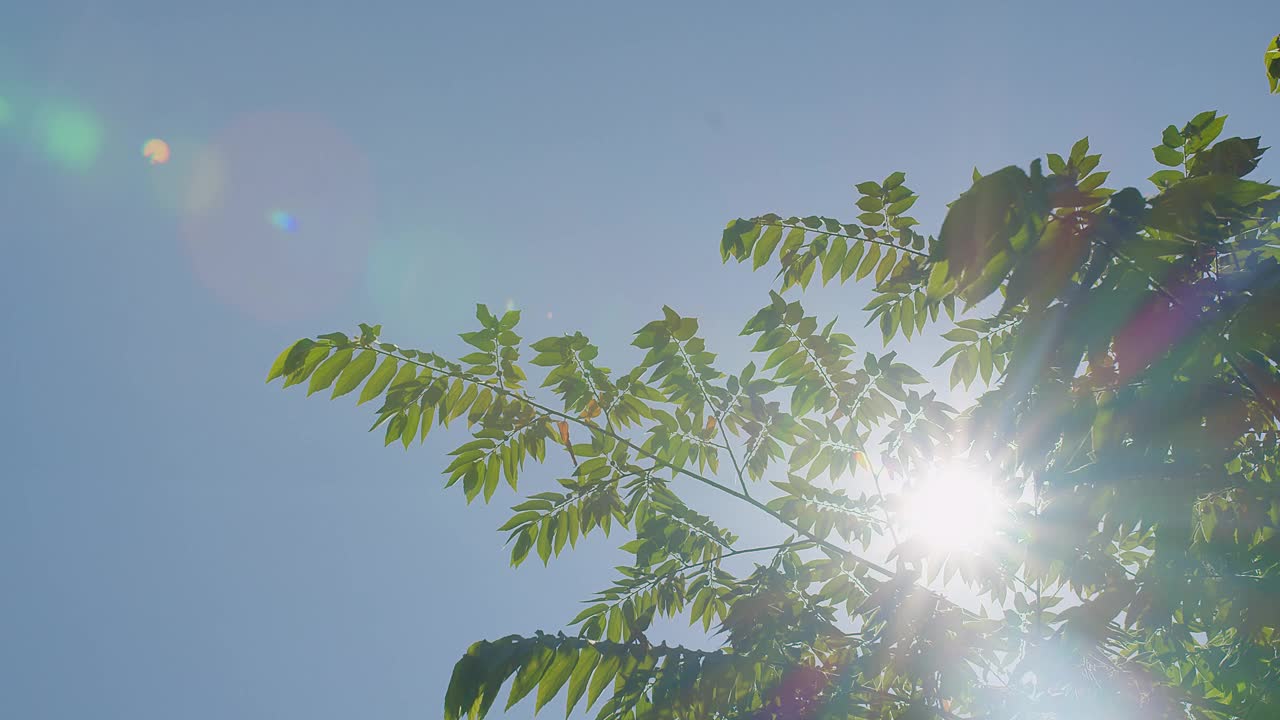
(1125, 350)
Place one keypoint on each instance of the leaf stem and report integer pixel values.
(874, 241)
(744, 497)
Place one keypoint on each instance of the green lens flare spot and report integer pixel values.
(283, 221)
(72, 139)
(6, 113)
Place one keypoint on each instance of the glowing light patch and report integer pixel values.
(510, 305)
(206, 180)
(156, 150)
(403, 276)
(6, 112)
(192, 182)
(283, 221)
(261, 163)
(548, 314)
(72, 139)
(954, 508)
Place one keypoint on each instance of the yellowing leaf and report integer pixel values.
(861, 459)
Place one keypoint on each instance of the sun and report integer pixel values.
(954, 508)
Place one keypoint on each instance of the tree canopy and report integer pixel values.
(1125, 353)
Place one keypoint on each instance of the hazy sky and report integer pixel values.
(178, 540)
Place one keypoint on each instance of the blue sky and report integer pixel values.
(178, 540)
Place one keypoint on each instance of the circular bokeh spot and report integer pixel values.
(72, 138)
(253, 253)
(156, 151)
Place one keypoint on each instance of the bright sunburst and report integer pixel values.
(954, 508)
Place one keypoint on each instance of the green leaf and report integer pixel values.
(894, 180)
(477, 678)
(310, 363)
(337, 339)
(1172, 138)
(1078, 151)
(299, 356)
(1167, 156)
(1203, 130)
(789, 246)
(834, 259)
(277, 367)
(355, 373)
(869, 188)
(603, 676)
(524, 543)
(492, 474)
(882, 270)
(960, 335)
(871, 218)
(588, 659)
(937, 280)
(1092, 182)
(868, 262)
(544, 541)
(328, 370)
(1057, 165)
(850, 263)
(902, 205)
(870, 204)
(985, 362)
(1272, 60)
(379, 381)
(412, 416)
(530, 674)
(556, 676)
(738, 239)
(394, 429)
(1164, 178)
(764, 247)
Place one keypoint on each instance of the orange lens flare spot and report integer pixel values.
(156, 151)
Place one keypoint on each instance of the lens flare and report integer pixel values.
(261, 177)
(207, 179)
(72, 138)
(403, 276)
(954, 508)
(156, 150)
(193, 178)
(6, 113)
(283, 221)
